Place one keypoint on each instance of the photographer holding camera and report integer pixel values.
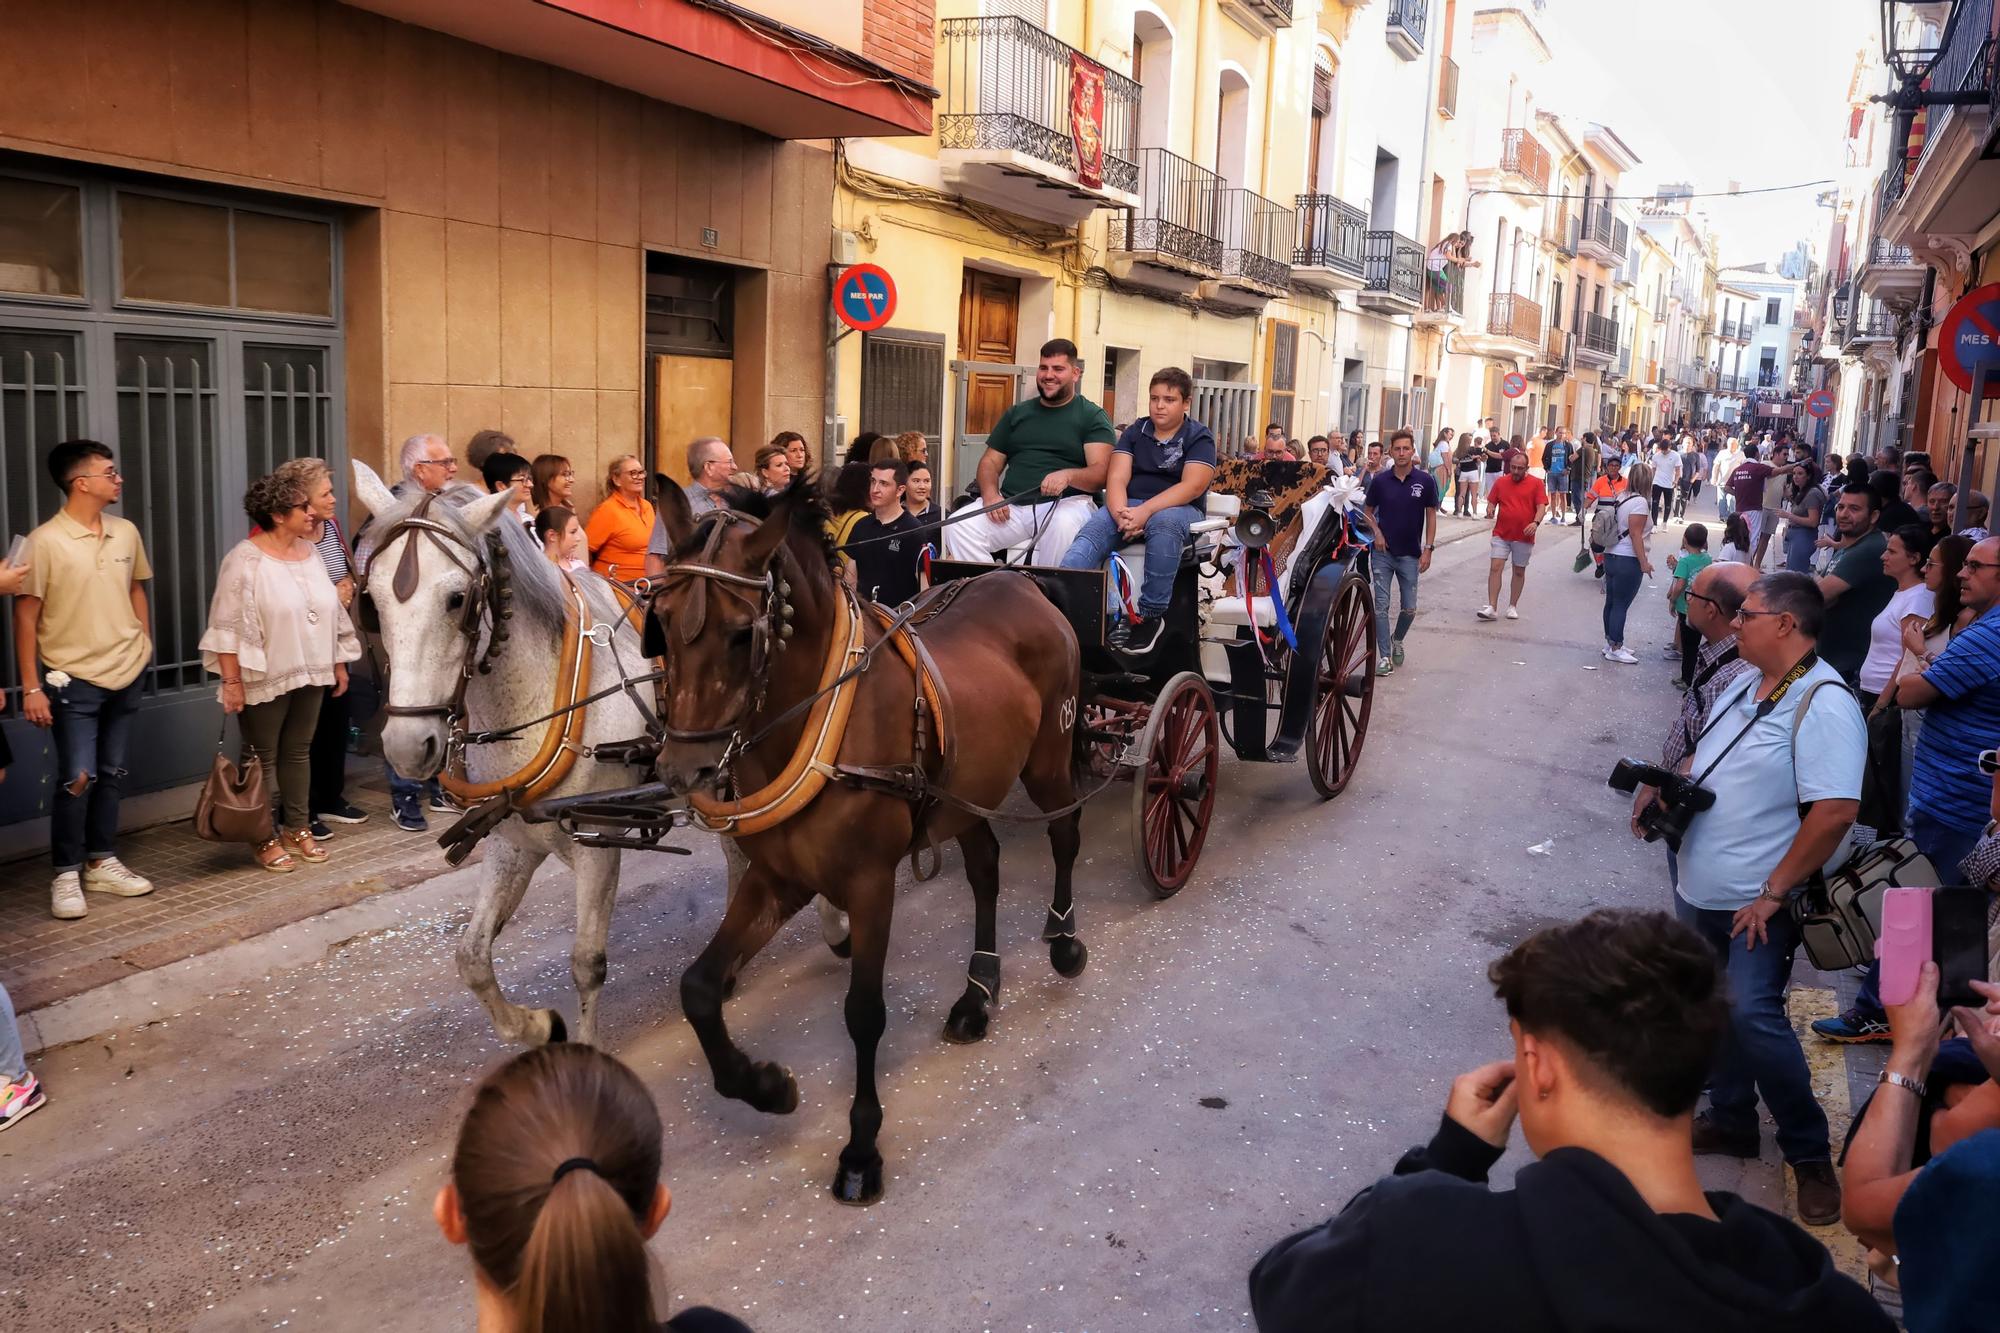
(1712, 598)
(1782, 755)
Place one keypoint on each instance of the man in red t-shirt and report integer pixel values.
(1518, 502)
(1746, 486)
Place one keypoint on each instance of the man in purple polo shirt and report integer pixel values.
(1402, 505)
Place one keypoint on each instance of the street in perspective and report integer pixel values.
(1283, 665)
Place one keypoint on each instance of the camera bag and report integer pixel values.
(1840, 914)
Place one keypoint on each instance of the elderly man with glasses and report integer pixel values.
(1782, 755)
(1712, 599)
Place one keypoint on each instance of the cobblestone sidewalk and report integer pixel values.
(206, 895)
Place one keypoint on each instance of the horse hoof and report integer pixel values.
(858, 1187)
(772, 1090)
(844, 949)
(557, 1030)
(1067, 957)
(965, 1024)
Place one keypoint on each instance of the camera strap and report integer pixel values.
(1764, 710)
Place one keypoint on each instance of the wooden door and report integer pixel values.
(691, 398)
(989, 322)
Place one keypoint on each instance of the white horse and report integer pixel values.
(429, 652)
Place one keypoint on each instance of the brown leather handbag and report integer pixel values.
(235, 803)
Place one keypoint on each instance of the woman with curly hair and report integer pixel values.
(555, 1189)
(279, 638)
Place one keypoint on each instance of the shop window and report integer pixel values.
(172, 250)
(41, 237)
(284, 264)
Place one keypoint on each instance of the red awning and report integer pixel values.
(724, 63)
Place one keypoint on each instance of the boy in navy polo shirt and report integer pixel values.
(1160, 469)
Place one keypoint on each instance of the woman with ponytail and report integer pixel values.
(555, 1187)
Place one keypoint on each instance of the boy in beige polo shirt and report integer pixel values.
(84, 636)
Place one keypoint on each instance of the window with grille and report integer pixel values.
(1353, 407)
(902, 382)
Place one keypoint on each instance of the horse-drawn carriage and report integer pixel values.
(824, 739)
(1271, 621)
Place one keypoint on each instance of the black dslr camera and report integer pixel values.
(1681, 799)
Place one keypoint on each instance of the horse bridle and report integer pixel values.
(488, 593)
(769, 597)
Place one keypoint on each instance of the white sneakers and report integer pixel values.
(1486, 613)
(66, 902)
(1513, 614)
(109, 876)
(1621, 655)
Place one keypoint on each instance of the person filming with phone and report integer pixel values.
(1615, 1020)
(1782, 758)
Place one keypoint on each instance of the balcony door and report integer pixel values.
(989, 325)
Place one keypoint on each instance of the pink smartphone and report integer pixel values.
(1904, 945)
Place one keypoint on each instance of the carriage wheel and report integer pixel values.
(1346, 689)
(1174, 794)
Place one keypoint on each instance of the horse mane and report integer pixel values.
(809, 518)
(540, 601)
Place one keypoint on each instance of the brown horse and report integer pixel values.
(779, 687)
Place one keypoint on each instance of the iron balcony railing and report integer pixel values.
(1277, 13)
(1889, 189)
(1562, 230)
(1393, 263)
(1968, 65)
(1448, 88)
(1256, 239)
(1522, 153)
(1331, 233)
(1408, 21)
(1007, 89)
(1768, 381)
(1622, 367)
(1556, 349)
(1602, 228)
(1510, 315)
(1178, 212)
(1881, 252)
(1452, 299)
(1870, 327)
(1600, 334)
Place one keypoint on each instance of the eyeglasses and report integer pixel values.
(1746, 614)
(109, 474)
(1979, 564)
(1703, 597)
(632, 472)
(448, 464)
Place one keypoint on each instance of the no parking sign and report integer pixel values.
(1821, 403)
(1513, 384)
(1969, 336)
(865, 297)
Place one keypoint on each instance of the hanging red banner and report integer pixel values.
(1086, 118)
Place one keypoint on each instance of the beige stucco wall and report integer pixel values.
(501, 208)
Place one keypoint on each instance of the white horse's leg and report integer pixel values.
(832, 921)
(508, 868)
(595, 870)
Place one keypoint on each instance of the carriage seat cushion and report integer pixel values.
(1230, 611)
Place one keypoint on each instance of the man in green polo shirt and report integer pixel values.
(1057, 445)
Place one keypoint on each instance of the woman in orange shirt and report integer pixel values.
(620, 527)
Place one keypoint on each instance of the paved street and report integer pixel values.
(255, 1142)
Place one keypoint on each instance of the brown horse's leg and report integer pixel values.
(752, 917)
(981, 850)
(1051, 785)
(859, 1179)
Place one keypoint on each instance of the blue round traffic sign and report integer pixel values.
(1513, 384)
(1970, 335)
(865, 297)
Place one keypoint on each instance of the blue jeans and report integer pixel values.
(1403, 570)
(92, 726)
(1944, 846)
(1621, 585)
(1166, 537)
(1760, 1053)
(405, 791)
(13, 1064)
